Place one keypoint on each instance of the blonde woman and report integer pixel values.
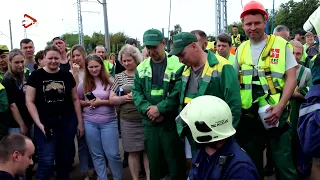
(15, 84)
(77, 59)
(130, 118)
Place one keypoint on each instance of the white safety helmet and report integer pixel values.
(209, 119)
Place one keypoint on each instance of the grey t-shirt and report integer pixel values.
(256, 50)
(305, 78)
(193, 82)
(158, 72)
(29, 65)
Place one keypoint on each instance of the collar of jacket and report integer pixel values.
(212, 59)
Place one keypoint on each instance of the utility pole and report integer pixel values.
(11, 43)
(106, 26)
(218, 17)
(80, 26)
(272, 16)
(168, 43)
(221, 16)
(224, 16)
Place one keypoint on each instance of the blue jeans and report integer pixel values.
(30, 133)
(59, 149)
(85, 159)
(103, 140)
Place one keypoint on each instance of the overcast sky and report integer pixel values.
(132, 17)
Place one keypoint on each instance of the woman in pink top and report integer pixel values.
(100, 119)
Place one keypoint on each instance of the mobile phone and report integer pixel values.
(90, 96)
(49, 133)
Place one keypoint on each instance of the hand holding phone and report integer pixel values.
(90, 96)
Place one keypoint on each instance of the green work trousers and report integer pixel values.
(294, 117)
(252, 137)
(165, 150)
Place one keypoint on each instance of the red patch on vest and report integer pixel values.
(275, 53)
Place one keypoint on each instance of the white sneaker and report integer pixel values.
(86, 178)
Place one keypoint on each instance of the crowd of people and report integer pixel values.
(192, 111)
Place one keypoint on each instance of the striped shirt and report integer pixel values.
(128, 111)
(121, 79)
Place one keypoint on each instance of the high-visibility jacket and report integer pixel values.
(109, 67)
(218, 78)
(271, 70)
(312, 61)
(26, 74)
(145, 94)
(231, 59)
(236, 41)
(5, 112)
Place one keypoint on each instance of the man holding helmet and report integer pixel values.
(219, 156)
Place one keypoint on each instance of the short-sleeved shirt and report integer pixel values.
(305, 78)
(158, 72)
(101, 114)
(256, 50)
(53, 92)
(30, 65)
(128, 111)
(16, 95)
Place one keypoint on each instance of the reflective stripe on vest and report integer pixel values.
(173, 64)
(1, 86)
(312, 60)
(207, 73)
(277, 57)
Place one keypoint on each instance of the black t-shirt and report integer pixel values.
(16, 94)
(5, 176)
(119, 68)
(53, 93)
(65, 67)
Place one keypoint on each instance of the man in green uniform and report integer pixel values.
(267, 75)
(156, 94)
(204, 74)
(4, 111)
(4, 58)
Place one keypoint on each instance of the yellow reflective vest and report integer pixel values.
(271, 70)
(236, 41)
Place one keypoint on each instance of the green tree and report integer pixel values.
(211, 38)
(176, 29)
(239, 26)
(117, 40)
(294, 14)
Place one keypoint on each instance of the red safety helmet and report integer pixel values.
(254, 6)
